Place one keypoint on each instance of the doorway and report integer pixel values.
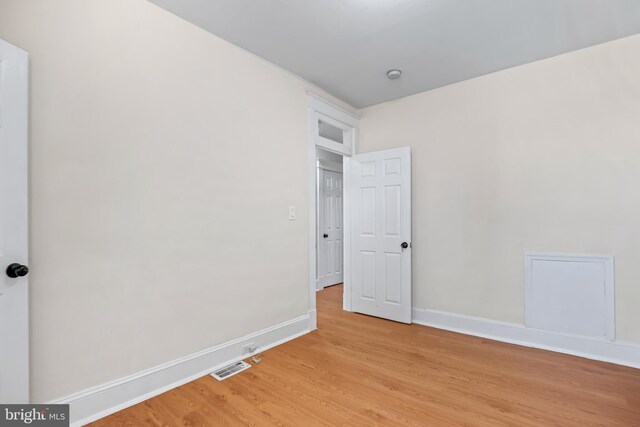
(330, 217)
(368, 246)
(333, 138)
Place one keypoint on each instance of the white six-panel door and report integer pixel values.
(380, 189)
(14, 330)
(330, 240)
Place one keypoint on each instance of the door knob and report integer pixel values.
(325, 235)
(404, 245)
(17, 270)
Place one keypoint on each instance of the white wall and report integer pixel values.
(542, 157)
(156, 230)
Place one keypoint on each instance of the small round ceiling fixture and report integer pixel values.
(394, 74)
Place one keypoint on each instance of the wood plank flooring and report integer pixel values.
(357, 370)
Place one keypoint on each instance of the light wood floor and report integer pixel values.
(361, 371)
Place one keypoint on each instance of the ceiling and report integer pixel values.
(346, 46)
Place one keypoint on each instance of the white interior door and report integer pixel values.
(330, 240)
(380, 189)
(14, 330)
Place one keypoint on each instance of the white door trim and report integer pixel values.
(327, 109)
(346, 184)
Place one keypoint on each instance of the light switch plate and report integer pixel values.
(292, 213)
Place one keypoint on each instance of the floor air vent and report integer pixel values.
(230, 370)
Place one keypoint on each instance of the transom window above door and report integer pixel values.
(333, 129)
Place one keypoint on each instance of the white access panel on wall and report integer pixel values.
(570, 294)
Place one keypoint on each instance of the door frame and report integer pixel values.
(320, 108)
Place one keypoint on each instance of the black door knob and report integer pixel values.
(404, 245)
(325, 235)
(17, 270)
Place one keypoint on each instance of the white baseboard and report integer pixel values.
(618, 352)
(103, 400)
